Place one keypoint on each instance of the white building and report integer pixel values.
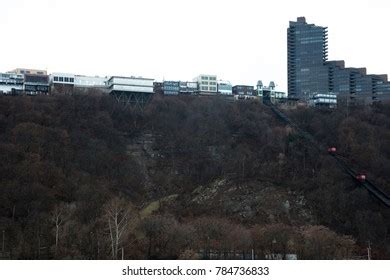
(90, 81)
(207, 84)
(130, 84)
(62, 78)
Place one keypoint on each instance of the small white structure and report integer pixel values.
(207, 84)
(90, 81)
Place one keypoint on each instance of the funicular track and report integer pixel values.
(343, 165)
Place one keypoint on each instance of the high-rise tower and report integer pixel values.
(307, 54)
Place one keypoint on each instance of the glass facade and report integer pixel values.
(243, 90)
(171, 87)
(307, 54)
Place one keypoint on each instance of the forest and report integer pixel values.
(82, 177)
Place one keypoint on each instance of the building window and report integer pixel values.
(66, 80)
(213, 83)
(205, 78)
(61, 79)
(213, 78)
(55, 79)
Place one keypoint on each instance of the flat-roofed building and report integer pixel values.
(225, 87)
(62, 83)
(131, 91)
(90, 81)
(171, 87)
(188, 88)
(36, 84)
(207, 84)
(22, 71)
(11, 83)
(243, 90)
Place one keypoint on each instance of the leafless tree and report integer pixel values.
(120, 217)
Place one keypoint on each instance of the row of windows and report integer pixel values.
(209, 83)
(209, 78)
(29, 72)
(64, 79)
(209, 88)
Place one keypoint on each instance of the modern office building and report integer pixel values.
(36, 84)
(307, 53)
(179, 87)
(207, 84)
(310, 73)
(225, 87)
(188, 88)
(171, 87)
(11, 83)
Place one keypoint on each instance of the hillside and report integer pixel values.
(189, 177)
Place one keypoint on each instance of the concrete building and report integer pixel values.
(207, 84)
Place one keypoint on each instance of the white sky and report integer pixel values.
(241, 41)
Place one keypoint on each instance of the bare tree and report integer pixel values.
(120, 216)
(57, 217)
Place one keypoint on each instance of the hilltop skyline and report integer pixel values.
(240, 42)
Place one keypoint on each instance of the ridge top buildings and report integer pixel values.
(310, 74)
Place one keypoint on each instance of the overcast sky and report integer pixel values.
(241, 41)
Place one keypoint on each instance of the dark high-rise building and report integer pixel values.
(307, 54)
(310, 73)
